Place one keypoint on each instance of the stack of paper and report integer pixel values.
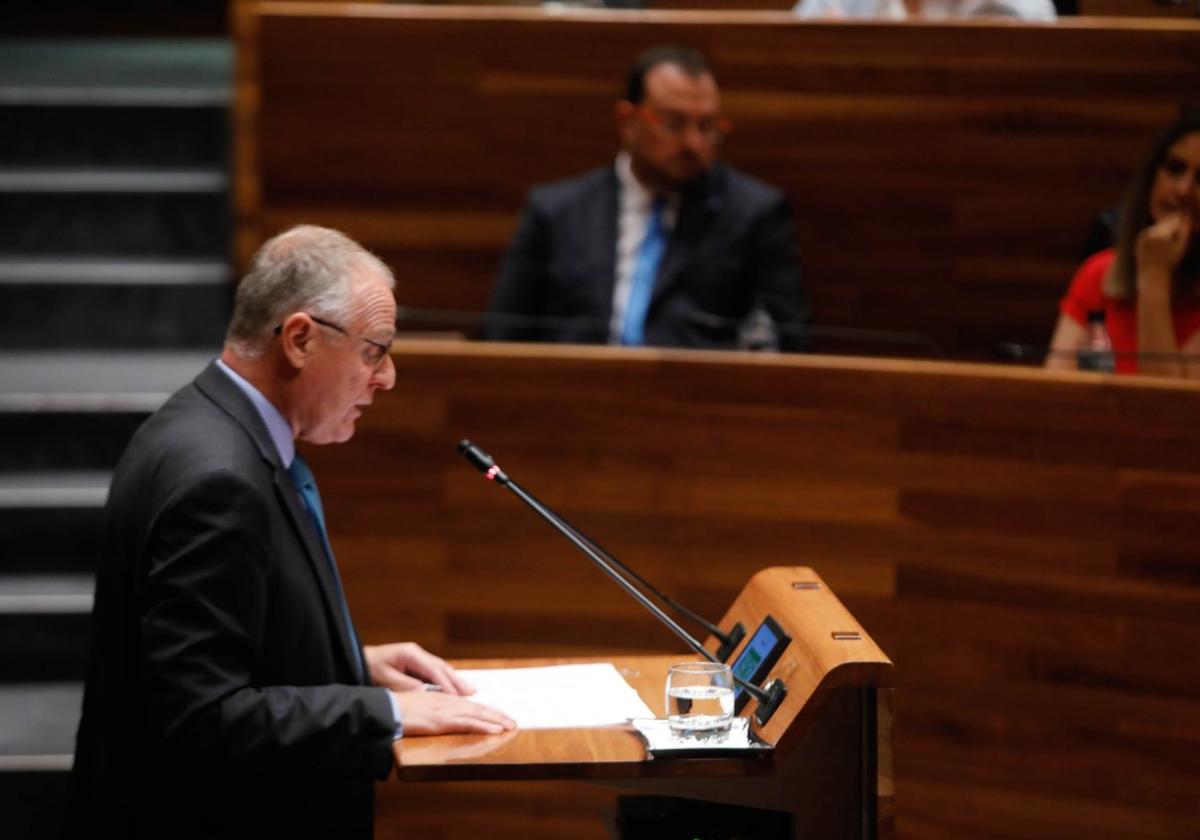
(559, 696)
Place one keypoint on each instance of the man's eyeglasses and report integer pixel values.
(373, 354)
(711, 129)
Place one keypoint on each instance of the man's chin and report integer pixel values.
(341, 434)
(686, 176)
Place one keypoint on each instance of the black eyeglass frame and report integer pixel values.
(379, 349)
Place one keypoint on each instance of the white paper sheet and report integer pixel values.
(559, 696)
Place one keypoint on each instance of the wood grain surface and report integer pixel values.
(1021, 544)
(942, 175)
(613, 752)
(828, 651)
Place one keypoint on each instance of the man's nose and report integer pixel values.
(693, 139)
(384, 377)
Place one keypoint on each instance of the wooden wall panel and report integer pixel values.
(942, 175)
(1137, 8)
(1021, 544)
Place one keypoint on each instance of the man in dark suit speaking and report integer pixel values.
(665, 247)
(227, 693)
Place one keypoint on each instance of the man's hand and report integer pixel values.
(437, 713)
(406, 666)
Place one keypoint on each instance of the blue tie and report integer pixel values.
(307, 485)
(645, 270)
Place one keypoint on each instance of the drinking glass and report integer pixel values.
(699, 698)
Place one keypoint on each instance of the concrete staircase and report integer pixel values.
(114, 290)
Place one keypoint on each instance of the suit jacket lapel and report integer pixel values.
(605, 238)
(701, 205)
(314, 550)
(221, 390)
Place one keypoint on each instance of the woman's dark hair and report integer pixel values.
(1121, 280)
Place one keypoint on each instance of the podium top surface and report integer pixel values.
(818, 661)
(605, 752)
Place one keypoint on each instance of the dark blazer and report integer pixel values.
(733, 245)
(221, 696)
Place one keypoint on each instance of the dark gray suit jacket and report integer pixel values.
(733, 246)
(221, 696)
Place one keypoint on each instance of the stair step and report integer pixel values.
(66, 440)
(95, 381)
(45, 621)
(43, 646)
(77, 411)
(159, 65)
(104, 313)
(54, 490)
(33, 795)
(192, 222)
(46, 594)
(44, 539)
(38, 723)
(112, 135)
(51, 522)
(114, 271)
(59, 179)
(68, 96)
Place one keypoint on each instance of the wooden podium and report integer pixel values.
(832, 734)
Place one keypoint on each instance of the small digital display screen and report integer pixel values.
(758, 657)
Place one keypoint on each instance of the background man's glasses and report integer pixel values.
(711, 129)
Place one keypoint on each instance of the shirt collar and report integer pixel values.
(634, 197)
(277, 427)
(632, 191)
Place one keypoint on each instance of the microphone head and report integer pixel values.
(482, 461)
(478, 458)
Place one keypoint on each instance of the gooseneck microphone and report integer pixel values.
(729, 641)
(768, 698)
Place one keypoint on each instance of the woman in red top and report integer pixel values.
(1146, 285)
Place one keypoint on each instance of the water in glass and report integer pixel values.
(699, 698)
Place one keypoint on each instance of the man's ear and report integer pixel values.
(297, 337)
(625, 117)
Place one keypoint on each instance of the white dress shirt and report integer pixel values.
(633, 214)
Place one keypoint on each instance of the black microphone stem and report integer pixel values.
(488, 466)
(584, 546)
(666, 599)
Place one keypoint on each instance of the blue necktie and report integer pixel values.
(307, 485)
(645, 270)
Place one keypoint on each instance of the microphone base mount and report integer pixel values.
(731, 642)
(776, 690)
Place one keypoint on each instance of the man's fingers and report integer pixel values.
(457, 681)
(403, 682)
(481, 727)
(434, 713)
(439, 671)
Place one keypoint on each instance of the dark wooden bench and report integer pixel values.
(942, 176)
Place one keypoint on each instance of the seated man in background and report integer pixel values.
(666, 246)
